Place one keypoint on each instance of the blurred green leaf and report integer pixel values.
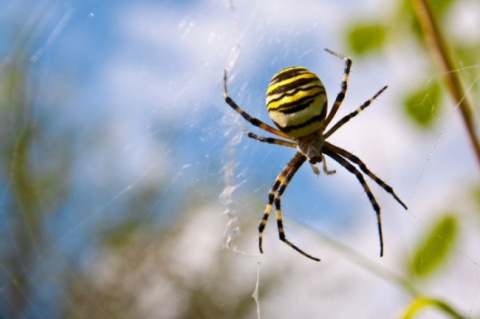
(422, 105)
(435, 246)
(365, 36)
(120, 235)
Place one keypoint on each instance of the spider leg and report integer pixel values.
(254, 121)
(325, 168)
(270, 140)
(365, 169)
(348, 117)
(343, 89)
(274, 197)
(268, 209)
(364, 184)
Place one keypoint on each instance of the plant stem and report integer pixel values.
(423, 302)
(451, 79)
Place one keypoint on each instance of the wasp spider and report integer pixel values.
(297, 104)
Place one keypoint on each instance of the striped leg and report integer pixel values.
(365, 169)
(343, 89)
(362, 181)
(268, 209)
(270, 140)
(299, 160)
(254, 121)
(285, 176)
(275, 195)
(348, 117)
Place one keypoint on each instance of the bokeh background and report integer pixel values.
(129, 190)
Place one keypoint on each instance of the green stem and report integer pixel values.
(422, 302)
(451, 79)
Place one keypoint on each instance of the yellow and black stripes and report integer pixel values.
(296, 101)
(354, 159)
(344, 158)
(351, 115)
(274, 198)
(342, 161)
(271, 140)
(343, 88)
(245, 115)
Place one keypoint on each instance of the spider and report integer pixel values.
(297, 104)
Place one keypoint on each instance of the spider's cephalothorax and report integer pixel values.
(297, 104)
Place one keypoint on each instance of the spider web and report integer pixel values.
(130, 191)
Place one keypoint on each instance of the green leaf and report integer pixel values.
(435, 246)
(366, 36)
(422, 105)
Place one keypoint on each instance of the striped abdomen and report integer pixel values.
(297, 101)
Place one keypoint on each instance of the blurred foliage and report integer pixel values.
(421, 302)
(364, 36)
(134, 260)
(422, 105)
(120, 235)
(405, 13)
(475, 193)
(21, 210)
(434, 248)
(32, 190)
(194, 277)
